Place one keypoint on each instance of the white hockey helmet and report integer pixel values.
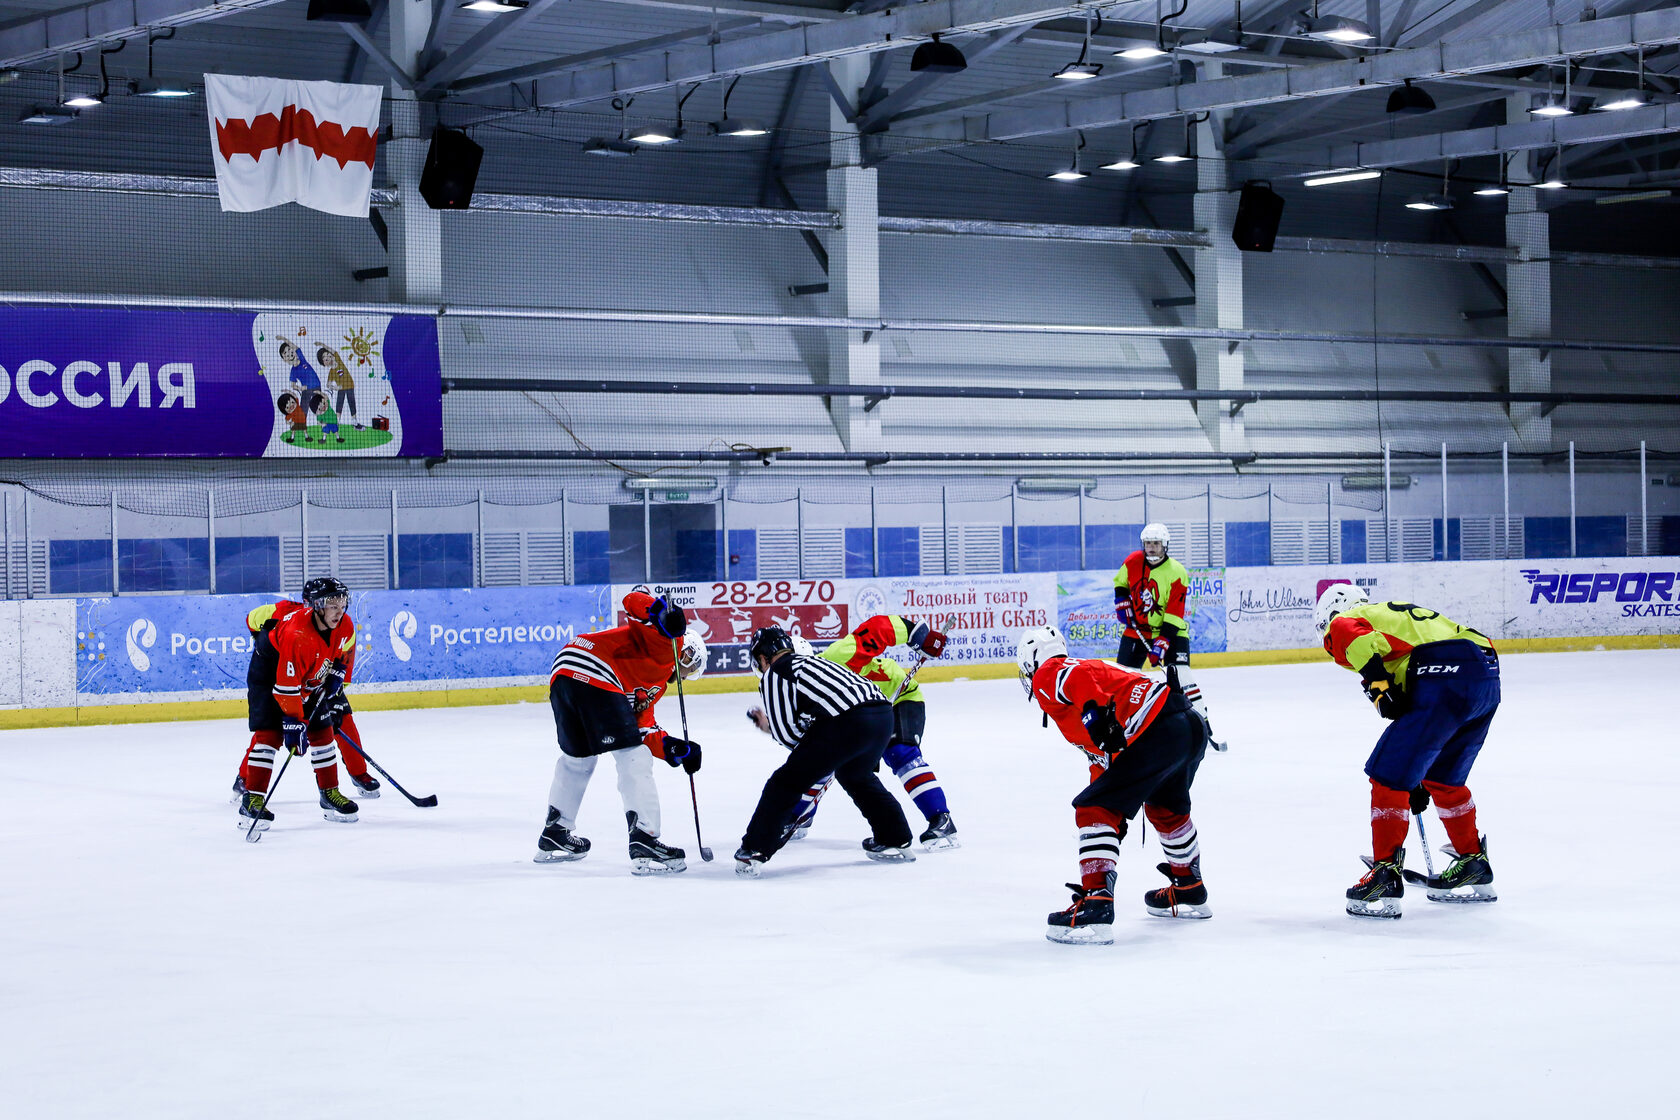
(1037, 646)
(691, 662)
(802, 648)
(1337, 598)
(1157, 533)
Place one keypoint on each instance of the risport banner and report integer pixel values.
(1271, 608)
(191, 643)
(987, 612)
(1085, 612)
(117, 383)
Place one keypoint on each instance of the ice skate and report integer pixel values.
(254, 807)
(885, 853)
(1378, 894)
(748, 864)
(238, 794)
(367, 786)
(1090, 920)
(558, 844)
(1466, 879)
(336, 807)
(1184, 896)
(801, 826)
(941, 833)
(650, 857)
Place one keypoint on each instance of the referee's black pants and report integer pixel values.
(849, 746)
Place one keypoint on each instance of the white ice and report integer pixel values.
(418, 964)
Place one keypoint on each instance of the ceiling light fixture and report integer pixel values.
(937, 58)
(1352, 175)
(1552, 107)
(736, 126)
(681, 483)
(1072, 171)
(1185, 155)
(339, 11)
(1129, 161)
(665, 134)
(150, 86)
(601, 146)
(1441, 201)
(1081, 69)
(497, 7)
(1337, 29)
(48, 114)
(1554, 181)
(1635, 98)
(1493, 190)
(1053, 484)
(1410, 99)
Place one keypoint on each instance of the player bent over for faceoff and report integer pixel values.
(862, 651)
(593, 689)
(1144, 743)
(833, 722)
(263, 619)
(1150, 592)
(294, 689)
(1439, 682)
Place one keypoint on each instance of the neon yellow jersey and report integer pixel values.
(885, 673)
(1157, 594)
(1391, 631)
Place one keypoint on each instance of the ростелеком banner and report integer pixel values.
(110, 383)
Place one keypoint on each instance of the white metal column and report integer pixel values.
(415, 249)
(1528, 291)
(854, 264)
(1219, 279)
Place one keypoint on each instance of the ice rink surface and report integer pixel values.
(418, 964)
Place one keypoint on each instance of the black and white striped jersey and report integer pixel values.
(817, 688)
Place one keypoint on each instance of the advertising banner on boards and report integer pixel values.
(1085, 610)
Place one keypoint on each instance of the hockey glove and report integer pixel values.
(1123, 607)
(334, 681)
(668, 620)
(331, 710)
(1158, 650)
(1103, 728)
(292, 735)
(1383, 697)
(1420, 801)
(683, 752)
(928, 640)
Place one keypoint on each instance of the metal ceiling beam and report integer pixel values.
(787, 13)
(798, 46)
(461, 59)
(38, 37)
(1324, 79)
(359, 35)
(1495, 139)
(1452, 23)
(535, 70)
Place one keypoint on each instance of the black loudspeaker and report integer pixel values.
(1258, 214)
(446, 182)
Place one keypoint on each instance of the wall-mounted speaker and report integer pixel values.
(1258, 213)
(446, 181)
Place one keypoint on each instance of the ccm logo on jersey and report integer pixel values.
(1437, 669)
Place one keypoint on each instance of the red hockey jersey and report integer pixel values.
(305, 654)
(622, 659)
(1063, 685)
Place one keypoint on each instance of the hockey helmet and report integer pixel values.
(1037, 646)
(767, 643)
(323, 588)
(691, 662)
(802, 648)
(1156, 533)
(1336, 598)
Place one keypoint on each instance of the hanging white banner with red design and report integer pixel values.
(275, 141)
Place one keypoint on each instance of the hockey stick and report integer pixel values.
(682, 707)
(428, 802)
(252, 836)
(921, 659)
(1428, 858)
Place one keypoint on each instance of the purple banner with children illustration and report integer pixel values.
(113, 383)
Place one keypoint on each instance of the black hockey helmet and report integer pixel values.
(770, 641)
(325, 587)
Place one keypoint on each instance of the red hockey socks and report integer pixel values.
(1178, 837)
(259, 760)
(353, 762)
(1458, 813)
(1100, 833)
(1391, 817)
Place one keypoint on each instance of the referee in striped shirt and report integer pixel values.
(834, 722)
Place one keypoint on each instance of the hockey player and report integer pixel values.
(833, 722)
(863, 652)
(1439, 682)
(259, 621)
(1150, 590)
(293, 689)
(592, 690)
(1144, 744)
